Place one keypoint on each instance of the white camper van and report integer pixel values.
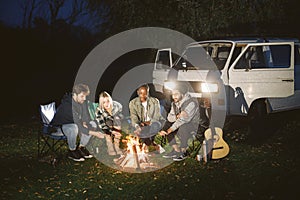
(259, 76)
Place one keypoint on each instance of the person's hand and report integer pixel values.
(182, 114)
(137, 130)
(97, 134)
(116, 134)
(169, 131)
(146, 123)
(100, 135)
(85, 125)
(118, 128)
(163, 133)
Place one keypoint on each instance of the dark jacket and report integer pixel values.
(66, 115)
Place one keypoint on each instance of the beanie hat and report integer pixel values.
(182, 88)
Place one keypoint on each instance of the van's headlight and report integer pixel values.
(209, 87)
(170, 85)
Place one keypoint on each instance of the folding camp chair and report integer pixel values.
(50, 138)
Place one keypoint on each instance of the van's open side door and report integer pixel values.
(162, 66)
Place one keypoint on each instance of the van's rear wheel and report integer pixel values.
(257, 120)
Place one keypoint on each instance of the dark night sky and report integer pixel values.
(10, 12)
(19, 75)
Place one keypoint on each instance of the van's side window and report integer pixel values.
(163, 61)
(281, 56)
(221, 57)
(253, 58)
(259, 57)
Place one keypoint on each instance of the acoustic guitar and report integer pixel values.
(217, 147)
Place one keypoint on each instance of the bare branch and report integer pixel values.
(54, 6)
(79, 8)
(28, 7)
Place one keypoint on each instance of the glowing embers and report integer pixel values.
(136, 156)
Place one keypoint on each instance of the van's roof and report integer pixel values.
(248, 40)
(259, 40)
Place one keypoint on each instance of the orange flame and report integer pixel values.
(132, 141)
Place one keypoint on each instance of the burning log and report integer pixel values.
(135, 156)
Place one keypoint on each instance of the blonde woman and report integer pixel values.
(108, 116)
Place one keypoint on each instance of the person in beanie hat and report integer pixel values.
(182, 119)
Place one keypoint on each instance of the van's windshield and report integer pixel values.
(208, 56)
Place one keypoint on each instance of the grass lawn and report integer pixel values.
(266, 170)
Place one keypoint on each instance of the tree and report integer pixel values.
(199, 19)
(28, 8)
(78, 8)
(71, 11)
(54, 7)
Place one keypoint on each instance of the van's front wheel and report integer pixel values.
(257, 121)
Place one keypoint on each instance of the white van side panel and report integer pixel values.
(287, 103)
(291, 102)
(247, 85)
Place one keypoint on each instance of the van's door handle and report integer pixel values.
(288, 80)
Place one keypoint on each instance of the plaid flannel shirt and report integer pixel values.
(105, 121)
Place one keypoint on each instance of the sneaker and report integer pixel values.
(159, 149)
(84, 152)
(75, 155)
(181, 157)
(172, 154)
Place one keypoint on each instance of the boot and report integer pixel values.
(110, 147)
(117, 146)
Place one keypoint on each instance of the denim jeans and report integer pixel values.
(71, 131)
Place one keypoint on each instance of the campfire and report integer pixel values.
(135, 156)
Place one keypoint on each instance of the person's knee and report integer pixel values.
(70, 129)
(186, 126)
(155, 127)
(92, 125)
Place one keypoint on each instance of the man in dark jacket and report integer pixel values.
(74, 117)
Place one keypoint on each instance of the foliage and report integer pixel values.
(199, 19)
(268, 170)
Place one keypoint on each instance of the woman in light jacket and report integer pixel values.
(108, 116)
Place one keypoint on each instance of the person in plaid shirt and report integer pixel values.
(108, 116)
